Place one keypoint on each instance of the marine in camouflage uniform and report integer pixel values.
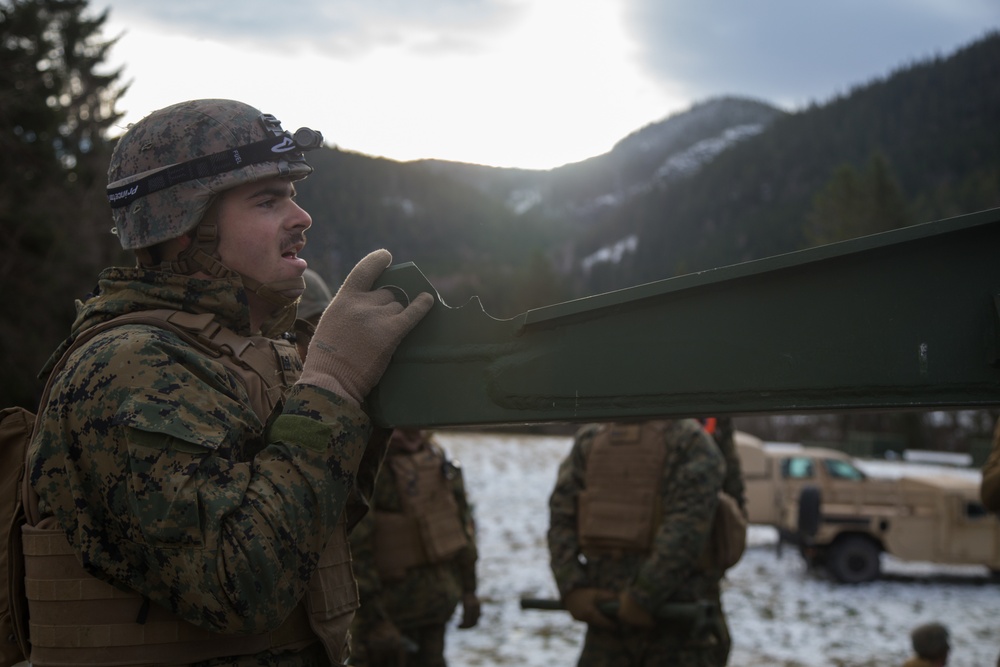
(644, 581)
(206, 502)
(722, 431)
(414, 557)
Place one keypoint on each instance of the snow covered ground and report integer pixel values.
(780, 614)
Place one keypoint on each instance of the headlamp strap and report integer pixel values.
(283, 146)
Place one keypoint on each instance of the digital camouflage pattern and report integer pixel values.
(425, 599)
(176, 134)
(167, 483)
(692, 476)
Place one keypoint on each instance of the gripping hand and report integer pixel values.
(631, 613)
(581, 603)
(359, 331)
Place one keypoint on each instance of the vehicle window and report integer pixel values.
(974, 510)
(797, 468)
(842, 470)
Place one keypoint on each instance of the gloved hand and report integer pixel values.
(581, 603)
(359, 331)
(471, 608)
(631, 613)
(385, 645)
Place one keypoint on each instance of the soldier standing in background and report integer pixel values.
(722, 431)
(630, 519)
(415, 557)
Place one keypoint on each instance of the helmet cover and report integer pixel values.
(177, 134)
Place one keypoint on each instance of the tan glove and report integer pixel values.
(581, 603)
(471, 609)
(359, 331)
(631, 613)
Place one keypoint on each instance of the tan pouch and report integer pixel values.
(622, 521)
(442, 533)
(398, 545)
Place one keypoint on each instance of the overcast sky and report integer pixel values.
(518, 83)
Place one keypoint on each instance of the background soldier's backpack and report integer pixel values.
(16, 426)
(728, 539)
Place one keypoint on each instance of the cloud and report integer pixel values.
(344, 28)
(528, 83)
(794, 52)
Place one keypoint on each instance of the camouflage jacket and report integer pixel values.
(429, 593)
(167, 483)
(692, 475)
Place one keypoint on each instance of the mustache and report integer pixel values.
(292, 239)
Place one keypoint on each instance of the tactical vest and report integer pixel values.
(77, 619)
(429, 528)
(618, 508)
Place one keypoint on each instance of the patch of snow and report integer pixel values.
(780, 614)
(943, 458)
(522, 201)
(611, 254)
(407, 206)
(899, 469)
(690, 160)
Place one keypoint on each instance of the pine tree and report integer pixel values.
(57, 103)
(857, 203)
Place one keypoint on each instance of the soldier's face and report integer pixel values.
(262, 230)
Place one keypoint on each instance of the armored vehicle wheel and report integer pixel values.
(854, 559)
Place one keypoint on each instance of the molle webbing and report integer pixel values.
(60, 593)
(618, 506)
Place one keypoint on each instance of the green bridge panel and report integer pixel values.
(899, 320)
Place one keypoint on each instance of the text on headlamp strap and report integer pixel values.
(284, 146)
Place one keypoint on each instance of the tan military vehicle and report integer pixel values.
(843, 519)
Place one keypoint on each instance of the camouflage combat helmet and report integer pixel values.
(316, 297)
(166, 168)
(930, 641)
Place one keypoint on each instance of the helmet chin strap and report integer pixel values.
(274, 292)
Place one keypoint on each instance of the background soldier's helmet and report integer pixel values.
(166, 168)
(930, 641)
(316, 297)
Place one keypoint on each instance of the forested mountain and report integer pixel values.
(727, 181)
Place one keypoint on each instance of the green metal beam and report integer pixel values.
(900, 320)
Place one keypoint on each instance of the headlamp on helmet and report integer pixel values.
(289, 146)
